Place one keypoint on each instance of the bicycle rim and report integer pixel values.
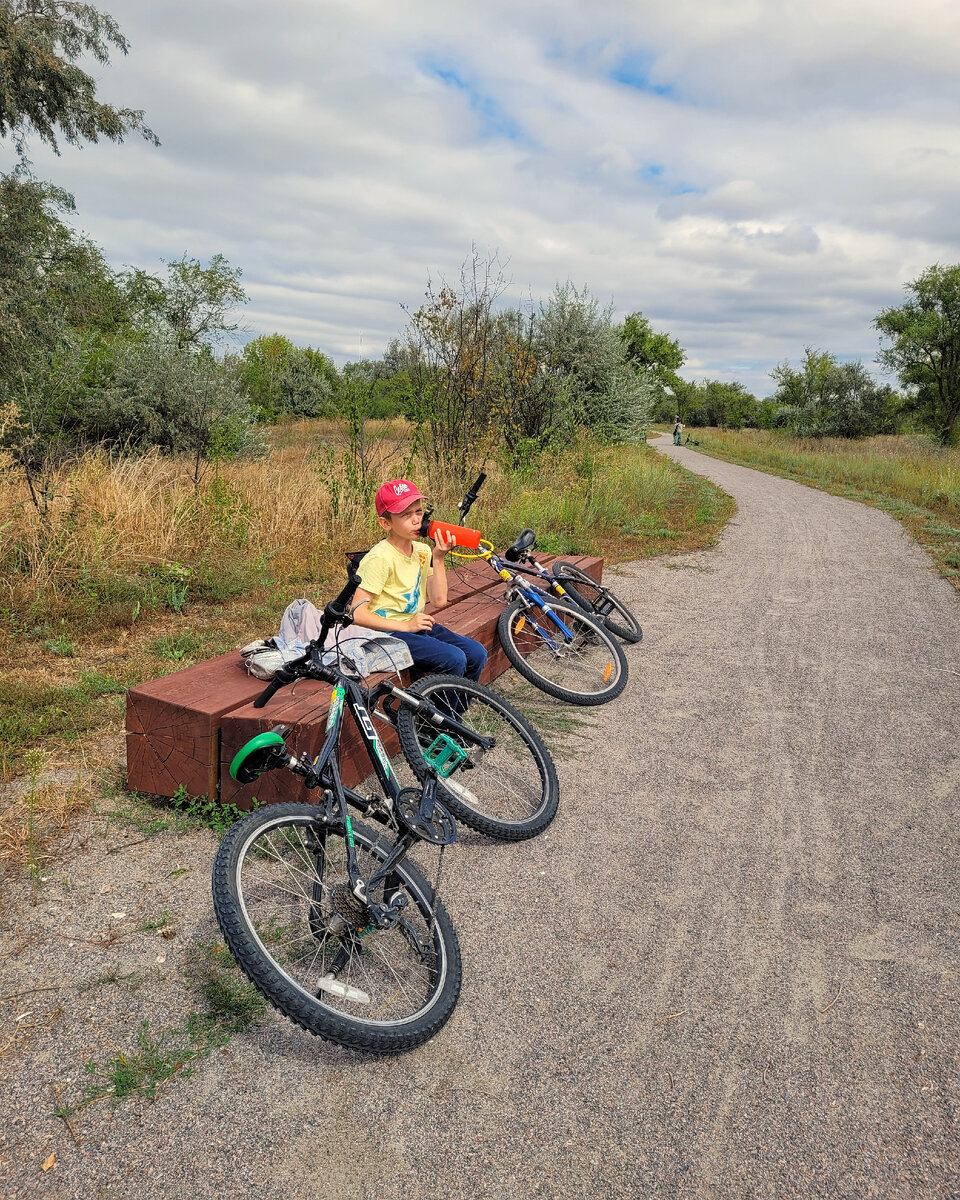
(586, 668)
(508, 791)
(286, 909)
(598, 599)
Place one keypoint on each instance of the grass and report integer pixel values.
(182, 813)
(908, 477)
(129, 540)
(33, 818)
(137, 573)
(34, 709)
(231, 1005)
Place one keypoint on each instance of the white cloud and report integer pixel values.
(753, 176)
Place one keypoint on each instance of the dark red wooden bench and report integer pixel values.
(184, 729)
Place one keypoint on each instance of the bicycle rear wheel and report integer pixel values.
(509, 791)
(287, 911)
(600, 600)
(586, 667)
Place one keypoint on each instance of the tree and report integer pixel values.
(826, 398)
(280, 378)
(727, 405)
(193, 304)
(60, 308)
(162, 394)
(532, 403)
(452, 348)
(41, 87)
(924, 349)
(578, 342)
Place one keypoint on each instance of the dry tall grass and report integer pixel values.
(128, 536)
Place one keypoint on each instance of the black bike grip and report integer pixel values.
(272, 687)
(467, 502)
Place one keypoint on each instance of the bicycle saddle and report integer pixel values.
(526, 541)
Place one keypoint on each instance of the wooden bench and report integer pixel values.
(184, 729)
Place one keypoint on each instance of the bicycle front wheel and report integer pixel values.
(600, 600)
(585, 665)
(288, 913)
(509, 791)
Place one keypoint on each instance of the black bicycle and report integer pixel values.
(326, 916)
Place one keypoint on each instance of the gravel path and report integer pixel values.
(728, 969)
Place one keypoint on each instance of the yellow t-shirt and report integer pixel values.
(397, 583)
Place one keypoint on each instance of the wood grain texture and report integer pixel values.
(185, 728)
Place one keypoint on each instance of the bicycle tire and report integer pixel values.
(510, 792)
(600, 600)
(286, 919)
(593, 656)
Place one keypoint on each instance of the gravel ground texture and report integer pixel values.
(728, 969)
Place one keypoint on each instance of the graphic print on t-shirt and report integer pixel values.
(412, 600)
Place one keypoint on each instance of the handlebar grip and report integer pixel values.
(272, 687)
(467, 502)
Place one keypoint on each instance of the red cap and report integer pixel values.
(396, 496)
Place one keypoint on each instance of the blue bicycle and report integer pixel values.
(551, 641)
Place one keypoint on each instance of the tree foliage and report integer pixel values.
(451, 346)
(924, 349)
(84, 360)
(724, 404)
(42, 89)
(281, 379)
(579, 343)
(532, 405)
(826, 398)
(193, 304)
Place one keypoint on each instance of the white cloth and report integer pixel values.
(361, 651)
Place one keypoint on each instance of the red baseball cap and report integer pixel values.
(396, 496)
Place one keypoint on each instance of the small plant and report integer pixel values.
(179, 646)
(153, 924)
(177, 596)
(232, 1006)
(133, 980)
(205, 812)
(61, 646)
(137, 812)
(35, 760)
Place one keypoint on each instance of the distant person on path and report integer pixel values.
(678, 432)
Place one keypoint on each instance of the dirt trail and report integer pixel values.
(728, 969)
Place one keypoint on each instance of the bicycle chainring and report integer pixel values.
(439, 828)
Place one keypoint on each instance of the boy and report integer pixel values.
(397, 578)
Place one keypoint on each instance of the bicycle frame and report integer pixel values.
(324, 770)
(532, 597)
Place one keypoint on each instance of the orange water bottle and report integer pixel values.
(469, 539)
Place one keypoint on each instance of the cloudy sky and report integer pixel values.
(754, 175)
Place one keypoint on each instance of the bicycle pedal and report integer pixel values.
(327, 983)
(444, 755)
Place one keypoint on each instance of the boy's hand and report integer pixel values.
(443, 543)
(419, 623)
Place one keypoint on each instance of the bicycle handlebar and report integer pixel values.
(336, 612)
(467, 502)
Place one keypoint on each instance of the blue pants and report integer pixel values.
(444, 651)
